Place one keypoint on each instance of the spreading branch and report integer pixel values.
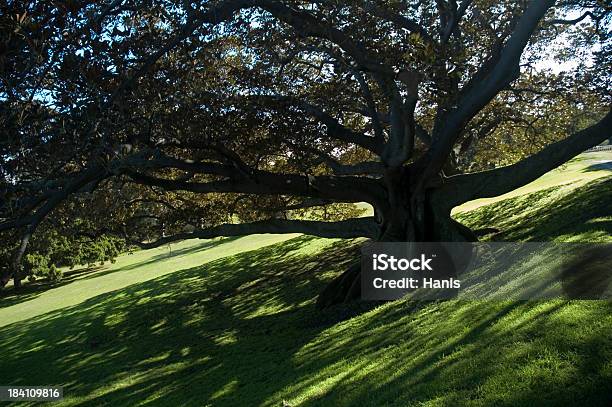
(337, 188)
(506, 69)
(335, 129)
(466, 187)
(352, 228)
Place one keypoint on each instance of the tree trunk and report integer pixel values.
(15, 267)
(409, 218)
(5, 277)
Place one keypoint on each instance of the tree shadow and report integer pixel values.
(26, 293)
(600, 166)
(464, 355)
(12, 296)
(541, 216)
(213, 333)
(32, 290)
(243, 330)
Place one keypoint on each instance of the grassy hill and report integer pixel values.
(573, 212)
(232, 322)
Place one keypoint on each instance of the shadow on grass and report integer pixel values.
(460, 353)
(243, 330)
(30, 290)
(183, 337)
(601, 166)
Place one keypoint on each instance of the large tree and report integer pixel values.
(163, 120)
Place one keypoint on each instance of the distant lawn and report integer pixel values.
(233, 323)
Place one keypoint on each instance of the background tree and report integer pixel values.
(182, 119)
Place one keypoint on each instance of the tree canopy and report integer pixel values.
(155, 120)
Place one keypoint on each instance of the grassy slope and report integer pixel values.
(80, 285)
(573, 212)
(242, 330)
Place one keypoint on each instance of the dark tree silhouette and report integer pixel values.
(161, 120)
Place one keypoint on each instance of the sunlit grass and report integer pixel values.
(561, 213)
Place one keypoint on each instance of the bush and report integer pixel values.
(52, 251)
(39, 265)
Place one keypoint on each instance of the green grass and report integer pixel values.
(80, 285)
(233, 323)
(573, 212)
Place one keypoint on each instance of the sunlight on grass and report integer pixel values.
(135, 268)
(562, 214)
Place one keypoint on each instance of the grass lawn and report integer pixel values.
(232, 322)
(80, 285)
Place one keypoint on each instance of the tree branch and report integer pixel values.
(87, 176)
(334, 128)
(449, 125)
(463, 188)
(310, 26)
(576, 20)
(396, 18)
(456, 16)
(351, 228)
(341, 189)
(370, 103)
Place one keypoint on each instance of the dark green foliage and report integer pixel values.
(108, 109)
(52, 250)
(38, 265)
